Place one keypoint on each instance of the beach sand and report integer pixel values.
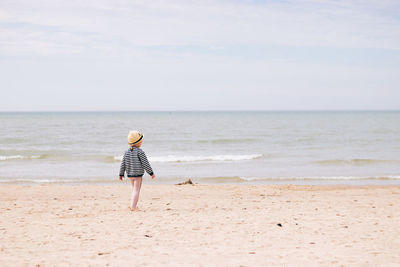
(200, 225)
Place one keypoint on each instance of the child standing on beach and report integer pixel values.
(134, 163)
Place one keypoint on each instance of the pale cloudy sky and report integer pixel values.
(199, 55)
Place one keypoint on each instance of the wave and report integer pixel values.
(239, 179)
(171, 158)
(324, 178)
(356, 162)
(111, 159)
(16, 157)
(214, 180)
(58, 181)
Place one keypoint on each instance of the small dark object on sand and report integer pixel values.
(147, 235)
(280, 225)
(186, 182)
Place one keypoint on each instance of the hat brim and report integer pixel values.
(137, 141)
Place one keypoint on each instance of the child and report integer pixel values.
(134, 163)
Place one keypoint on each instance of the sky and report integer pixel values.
(120, 55)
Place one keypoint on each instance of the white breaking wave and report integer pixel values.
(39, 181)
(118, 158)
(323, 178)
(18, 157)
(171, 158)
(56, 181)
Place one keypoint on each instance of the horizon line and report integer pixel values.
(197, 110)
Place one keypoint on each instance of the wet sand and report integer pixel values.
(200, 225)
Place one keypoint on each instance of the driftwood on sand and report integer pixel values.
(188, 181)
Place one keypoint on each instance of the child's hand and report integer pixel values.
(153, 176)
(121, 177)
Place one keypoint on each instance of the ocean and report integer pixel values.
(249, 147)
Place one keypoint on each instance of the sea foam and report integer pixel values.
(171, 158)
(356, 162)
(15, 157)
(322, 178)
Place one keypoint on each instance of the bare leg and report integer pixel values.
(136, 184)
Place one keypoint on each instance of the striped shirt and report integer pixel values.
(134, 163)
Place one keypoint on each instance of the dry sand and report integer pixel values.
(200, 225)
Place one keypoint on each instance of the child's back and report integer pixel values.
(134, 163)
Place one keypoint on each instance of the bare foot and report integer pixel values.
(133, 209)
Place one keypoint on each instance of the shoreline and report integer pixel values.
(211, 181)
(201, 224)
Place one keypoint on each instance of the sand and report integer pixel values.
(200, 225)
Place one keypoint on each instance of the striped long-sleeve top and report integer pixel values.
(134, 163)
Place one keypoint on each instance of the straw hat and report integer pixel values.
(134, 137)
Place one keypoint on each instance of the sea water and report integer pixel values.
(306, 147)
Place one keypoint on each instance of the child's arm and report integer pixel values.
(145, 163)
(122, 168)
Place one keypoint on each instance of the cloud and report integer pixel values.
(124, 27)
(237, 54)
